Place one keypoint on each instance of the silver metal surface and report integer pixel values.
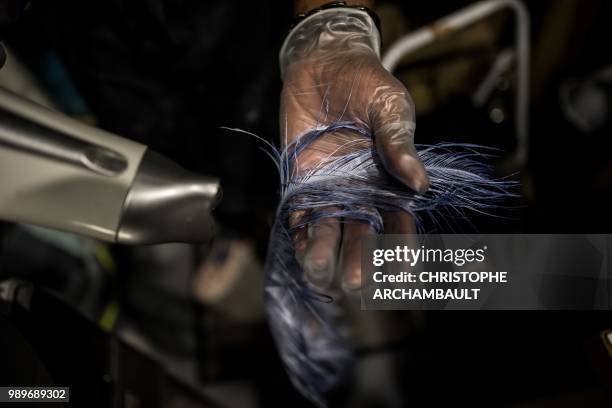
(168, 204)
(57, 193)
(59, 173)
(22, 134)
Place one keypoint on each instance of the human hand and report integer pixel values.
(332, 73)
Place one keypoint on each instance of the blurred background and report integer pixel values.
(180, 325)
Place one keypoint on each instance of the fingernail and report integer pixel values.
(421, 184)
(413, 174)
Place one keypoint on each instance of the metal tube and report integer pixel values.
(461, 19)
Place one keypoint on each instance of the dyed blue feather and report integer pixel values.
(308, 326)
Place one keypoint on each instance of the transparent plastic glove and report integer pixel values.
(332, 73)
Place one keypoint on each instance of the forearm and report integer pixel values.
(304, 6)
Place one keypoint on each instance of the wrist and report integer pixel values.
(306, 6)
(330, 32)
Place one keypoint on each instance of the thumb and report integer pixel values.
(393, 121)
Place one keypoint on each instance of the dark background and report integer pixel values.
(169, 73)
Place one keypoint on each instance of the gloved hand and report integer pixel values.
(332, 73)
